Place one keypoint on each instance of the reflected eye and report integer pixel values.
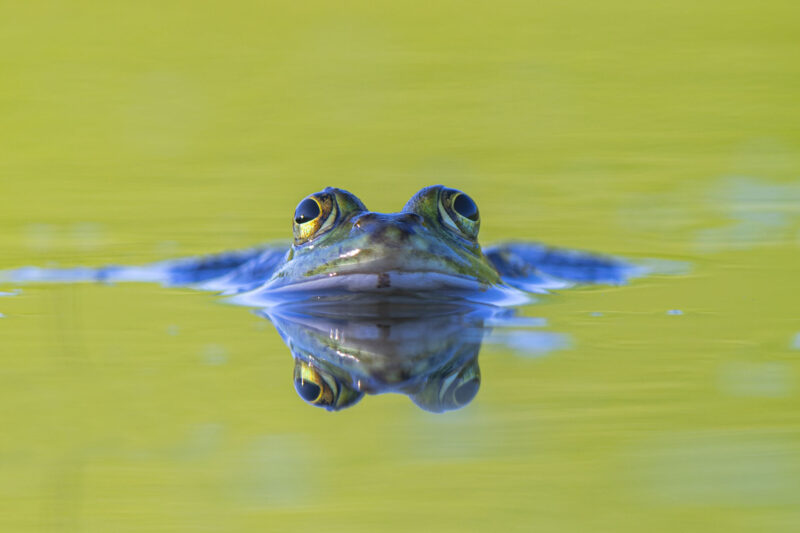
(452, 387)
(460, 213)
(311, 386)
(321, 389)
(467, 391)
(310, 392)
(313, 216)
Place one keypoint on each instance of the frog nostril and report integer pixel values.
(398, 224)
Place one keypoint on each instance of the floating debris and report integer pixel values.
(674, 312)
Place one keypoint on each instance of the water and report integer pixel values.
(132, 134)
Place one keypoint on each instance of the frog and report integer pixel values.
(428, 249)
(339, 248)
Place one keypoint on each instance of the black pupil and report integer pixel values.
(307, 210)
(467, 391)
(464, 206)
(307, 390)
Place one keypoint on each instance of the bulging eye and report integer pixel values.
(313, 216)
(460, 213)
(321, 389)
(307, 211)
(465, 206)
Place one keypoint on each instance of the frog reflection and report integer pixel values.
(447, 389)
(428, 353)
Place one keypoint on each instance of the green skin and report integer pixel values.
(427, 237)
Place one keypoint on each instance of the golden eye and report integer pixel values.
(460, 213)
(310, 385)
(322, 389)
(307, 211)
(313, 216)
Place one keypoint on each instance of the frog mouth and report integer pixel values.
(413, 270)
(423, 271)
(411, 265)
(382, 280)
(422, 285)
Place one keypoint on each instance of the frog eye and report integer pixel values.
(465, 206)
(460, 213)
(321, 389)
(466, 391)
(451, 388)
(310, 385)
(313, 216)
(307, 211)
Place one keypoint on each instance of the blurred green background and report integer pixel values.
(145, 130)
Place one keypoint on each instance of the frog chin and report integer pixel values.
(379, 280)
(376, 261)
(425, 285)
(379, 270)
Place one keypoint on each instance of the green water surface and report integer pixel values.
(133, 132)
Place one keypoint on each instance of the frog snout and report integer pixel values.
(395, 225)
